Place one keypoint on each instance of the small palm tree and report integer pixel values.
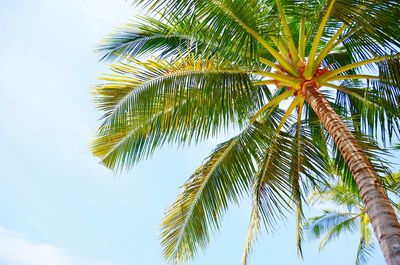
(218, 64)
(333, 223)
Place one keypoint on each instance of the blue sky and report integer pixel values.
(58, 206)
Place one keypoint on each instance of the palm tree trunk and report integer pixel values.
(379, 210)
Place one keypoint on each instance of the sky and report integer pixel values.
(58, 205)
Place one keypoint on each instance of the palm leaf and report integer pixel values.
(147, 36)
(163, 103)
(224, 177)
(332, 223)
(271, 192)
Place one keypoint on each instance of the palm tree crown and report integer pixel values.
(192, 68)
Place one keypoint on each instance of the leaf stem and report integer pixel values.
(327, 77)
(272, 103)
(282, 61)
(289, 111)
(269, 63)
(284, 79)
(311, 57)
(288, 33)
(302, 38)
(353, 77)
(328, 47)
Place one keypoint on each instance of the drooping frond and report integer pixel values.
(271, 192)
(364, 252)
(252, 233)
(271, 198)
(223, 178)
(296, 169)
(306, 161)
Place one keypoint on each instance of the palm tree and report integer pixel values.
(189, 69)
(351, 217)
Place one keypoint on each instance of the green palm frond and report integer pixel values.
(251, 24)
(271, 190)
(377, 25)
(364, 252)
(296, 170)
(171, 36)
(134, 83)
(149, 35)
(309, 168)
(150, 103)
(223, 178)
(313, 156)
(339, 194)
(271, 197)
(239, 20)
(211, 62)
(371, 113)
(331, 223)
(275, 191)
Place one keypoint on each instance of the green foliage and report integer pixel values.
(143, 103)
(224, 177)
(351, 217)
(189, 69)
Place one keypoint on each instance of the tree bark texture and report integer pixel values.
(383, 219)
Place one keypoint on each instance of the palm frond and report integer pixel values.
(223, 178)
(371, 113)
(271, 191)
(155, 102)
(377, 25)
(331, 223)
(149, 36)
(340, 194)
(364, 252)
(296, 170)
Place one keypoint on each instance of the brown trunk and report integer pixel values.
(379, 210)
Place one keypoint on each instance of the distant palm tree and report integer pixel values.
(333, 223)
(230, 63)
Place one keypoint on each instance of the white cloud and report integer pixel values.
(16, 250)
